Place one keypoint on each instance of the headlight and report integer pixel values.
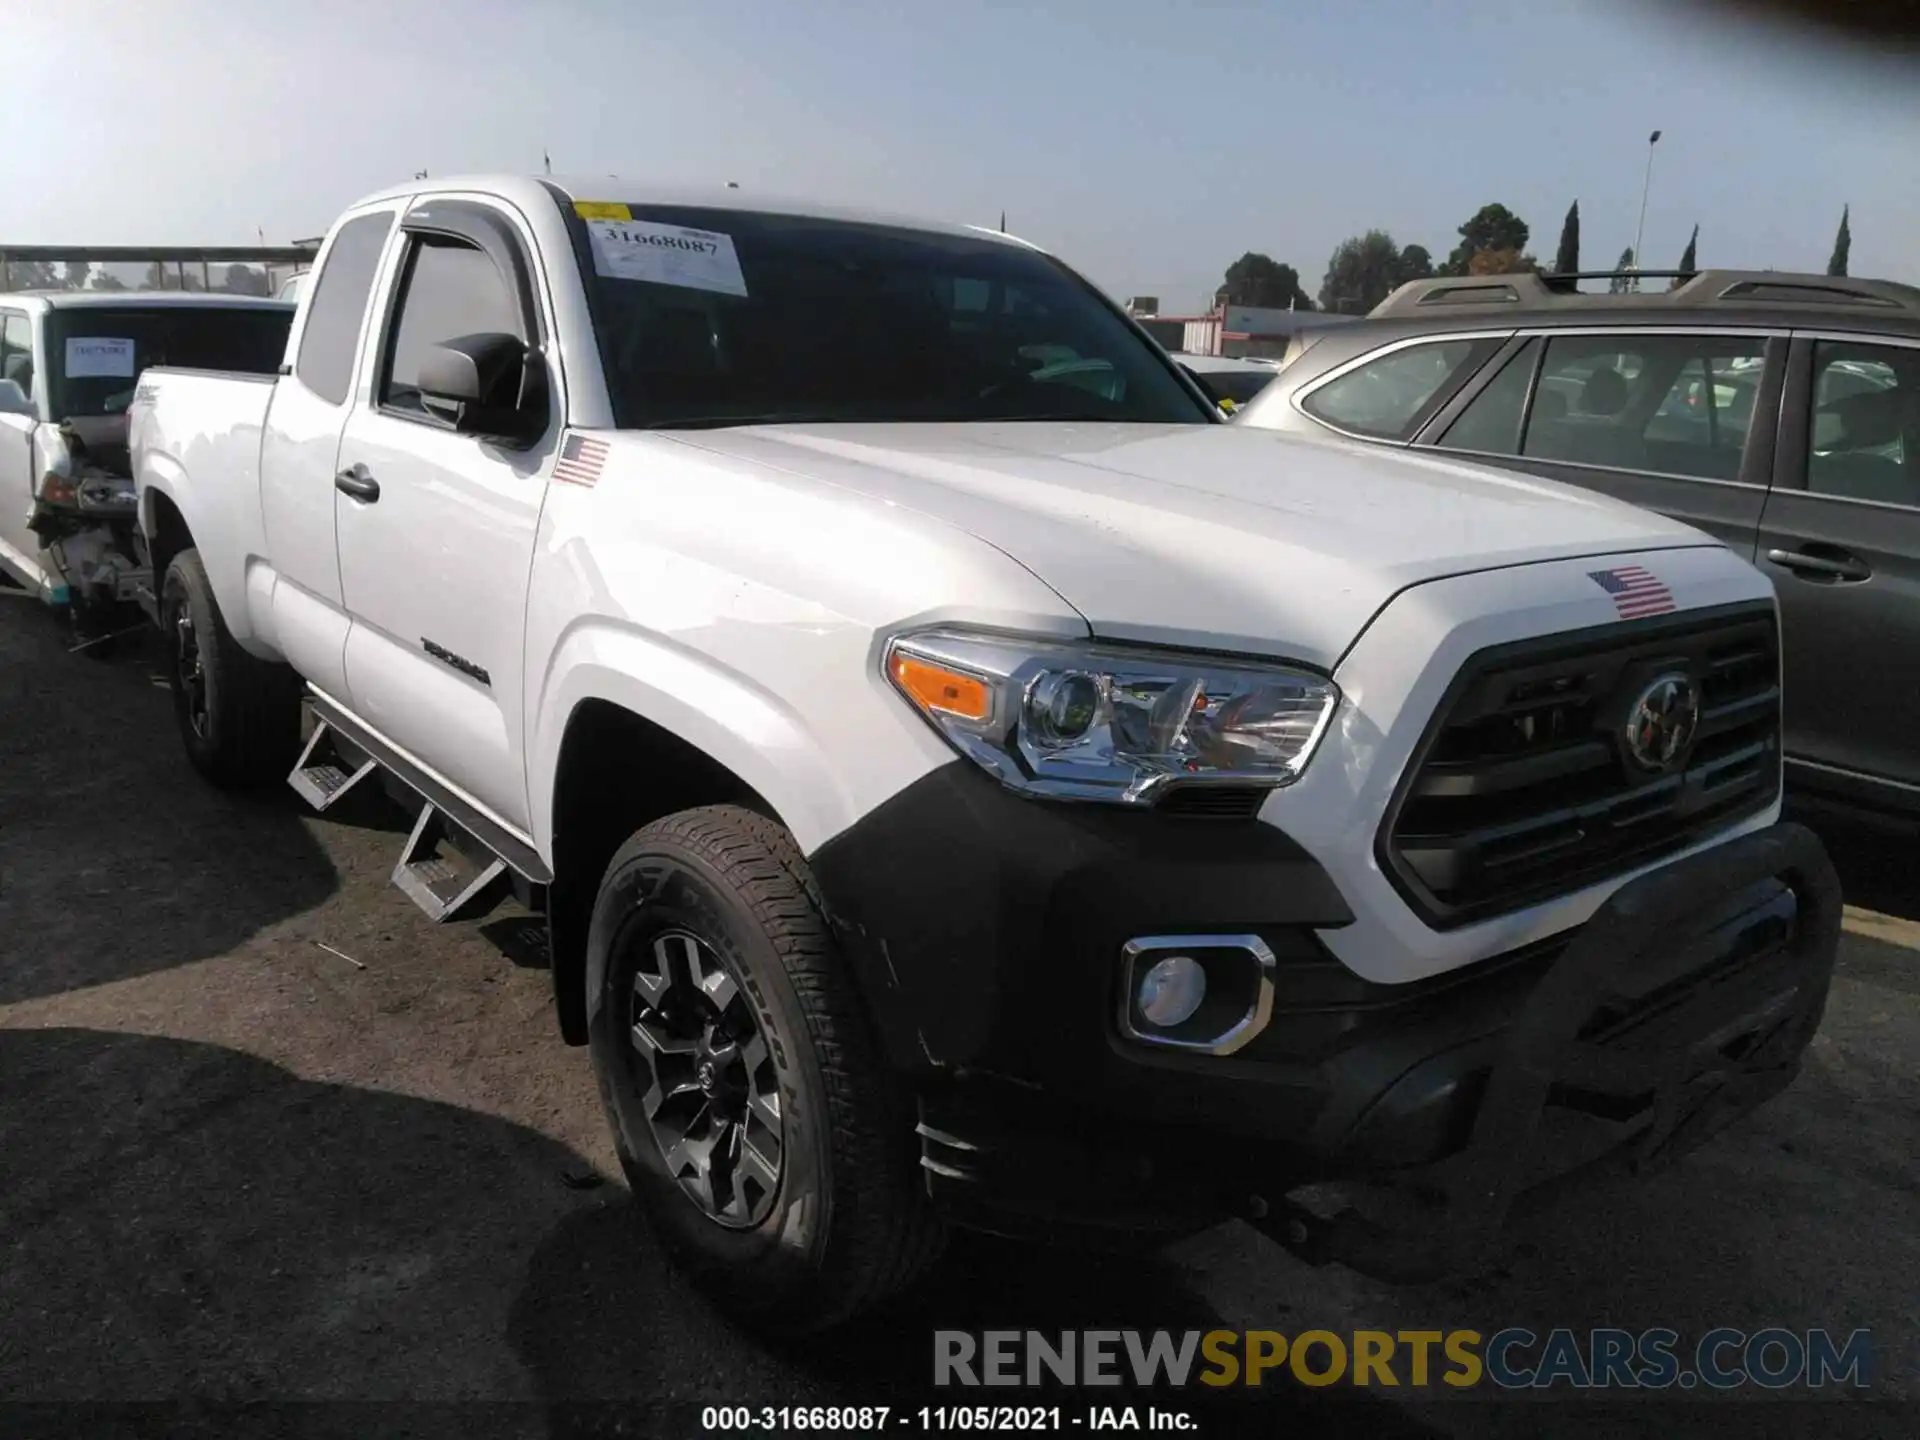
(1088, 722)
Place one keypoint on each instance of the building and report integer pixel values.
(1239, 330)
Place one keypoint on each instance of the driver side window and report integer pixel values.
(451, 289)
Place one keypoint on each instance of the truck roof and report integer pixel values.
(138, 300)
(528, 191)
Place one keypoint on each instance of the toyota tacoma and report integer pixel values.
(965, 781)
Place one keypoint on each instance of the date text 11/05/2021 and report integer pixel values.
(842, 1419)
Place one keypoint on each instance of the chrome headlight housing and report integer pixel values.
(1110, 722)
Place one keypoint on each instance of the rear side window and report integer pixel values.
(1663, 404)
(339, 304)
(452, 289)
(1391, 397)
(1491, 423)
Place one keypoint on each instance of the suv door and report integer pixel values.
(436, 527)
(1663, 419)
(1840, 539)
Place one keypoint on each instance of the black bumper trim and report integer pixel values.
(1723, 1041)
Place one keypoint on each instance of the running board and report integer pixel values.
(442, 888)
(460, 860)
(323, 775)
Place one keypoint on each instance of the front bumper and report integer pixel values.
(1687, 1000)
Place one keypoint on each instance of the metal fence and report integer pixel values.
(217, 269)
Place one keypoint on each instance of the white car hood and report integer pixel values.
(1219, 535)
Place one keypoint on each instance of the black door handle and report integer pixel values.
(1843, 567)
(357, 482)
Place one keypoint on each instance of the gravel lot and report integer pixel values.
(236, 1166)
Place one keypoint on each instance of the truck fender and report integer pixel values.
(721, 713)
(166, 485)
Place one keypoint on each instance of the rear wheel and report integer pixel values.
(239, 717)
(749, 1109)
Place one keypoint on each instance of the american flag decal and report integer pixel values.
(580, 460)
(1636, 592)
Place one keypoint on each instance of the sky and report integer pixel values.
(1148, 144)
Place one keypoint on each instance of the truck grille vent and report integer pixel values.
(1525, 788)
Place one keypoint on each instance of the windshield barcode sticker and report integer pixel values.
(666, 255)
(99, 355)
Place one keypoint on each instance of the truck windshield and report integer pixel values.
(722, 317)
(95, 352)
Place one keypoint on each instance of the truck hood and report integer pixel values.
(1231, 538)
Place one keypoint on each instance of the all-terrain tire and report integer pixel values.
(241, 728)
(849, 1224)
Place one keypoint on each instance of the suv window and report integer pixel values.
(1491, 423)
(451, 289)
(1865, 433)
(16, 351)
(338, 305)
(1667, 404)
(1389, 398)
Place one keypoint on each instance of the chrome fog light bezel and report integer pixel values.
(1144, 951)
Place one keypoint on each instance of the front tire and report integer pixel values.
(747, 1103)
(239, 717)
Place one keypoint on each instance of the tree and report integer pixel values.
(244, 280)
(1842, 244)
(161, 276)
(1260, 280)
(1365, 269)
(78, 272)
(1493, 227)
(31, 275)
(104, 279)
(1619, 283)
(1566, 259)
(1689, 257)
(1502, 262)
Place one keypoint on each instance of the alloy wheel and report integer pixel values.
(706, 1080)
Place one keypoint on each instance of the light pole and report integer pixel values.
(1640, 229)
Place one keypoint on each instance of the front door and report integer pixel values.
(436, 538)
(19, 546)
(1840, 540)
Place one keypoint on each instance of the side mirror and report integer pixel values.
(13, 400)
(489, 385)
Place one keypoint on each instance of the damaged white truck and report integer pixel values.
(965, 781)
(67, 365)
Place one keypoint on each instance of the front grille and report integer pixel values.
(1523, 790)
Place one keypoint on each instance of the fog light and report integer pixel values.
(1171, 991)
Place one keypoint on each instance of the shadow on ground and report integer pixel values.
(601, 1314)
(188, 1221)
(1878, 858)
(116, 859)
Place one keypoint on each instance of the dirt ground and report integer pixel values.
(268, 1136)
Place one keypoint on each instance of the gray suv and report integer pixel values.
(1779, 412)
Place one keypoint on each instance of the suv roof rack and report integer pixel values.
(1697, 289)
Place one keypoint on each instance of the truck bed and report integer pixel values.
(202, 429)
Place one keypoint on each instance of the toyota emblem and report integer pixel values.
(1662, 721)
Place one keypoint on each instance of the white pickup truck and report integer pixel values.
(965, 780)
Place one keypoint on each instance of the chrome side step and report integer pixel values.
(438, 883)
(322, 774)
(459, 861)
